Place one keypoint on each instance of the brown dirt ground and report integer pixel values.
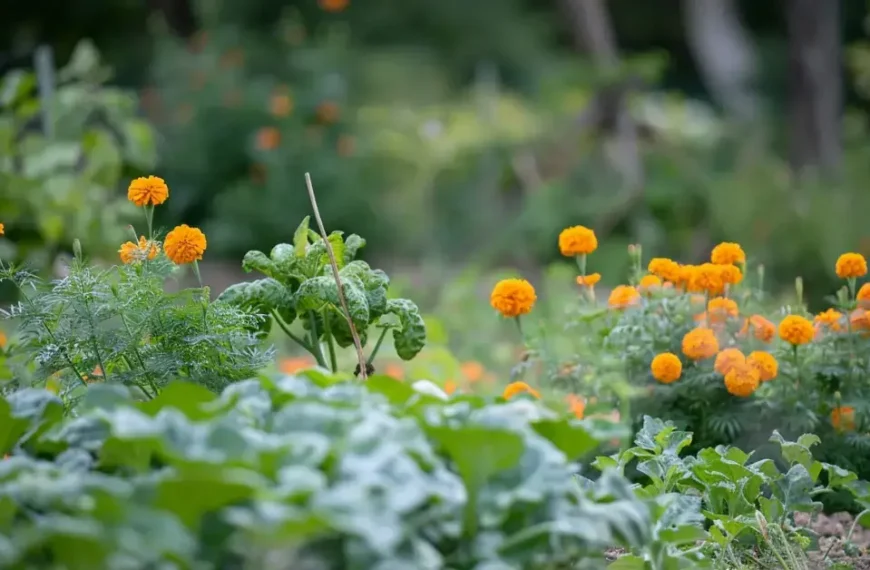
(832, 531)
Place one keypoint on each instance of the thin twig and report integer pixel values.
(356, 342)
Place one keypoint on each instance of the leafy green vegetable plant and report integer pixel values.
(299, 286)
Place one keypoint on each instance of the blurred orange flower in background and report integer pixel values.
(268, 138)
(294, 365)
(333, 5)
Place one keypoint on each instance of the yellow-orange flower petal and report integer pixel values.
(623, 296)
(851, 265)
(135, 252)
(577, 240)
(728, 359)
(472, 370)
(765, 364)
(666, 367)
(863, 296)
(515, 388)
(828, 321)
(664, 268)
(700, 344)
(762, 329)
(742, 380)
(706, 277)
(727, 253)
(513, 297)
(149, 190)
(843, 418)
(577, 405)
(648, 282)
(796, 330)
(588, 280)
(731, 274)
(2, 229)
(721, 309)
(450, 387)
(294, 365)
(184, 244)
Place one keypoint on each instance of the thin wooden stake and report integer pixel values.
(356, 342)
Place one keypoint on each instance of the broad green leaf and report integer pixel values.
(479, 454)
(397, 392)
(684, 534)
(300, 237)
(796, 452)
(352, 245)
(410, 339)
(258, 261)
(11, 428)
(628, 562)
(261, 296)
(319, 293)
(194, 492)
(571, 438)
(187, 397)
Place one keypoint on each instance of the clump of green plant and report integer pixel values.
(305, 471)
(300, 285)
(748, 505)
(63, 157)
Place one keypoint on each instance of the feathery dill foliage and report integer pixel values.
(118, 325)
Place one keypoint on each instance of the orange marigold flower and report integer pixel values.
(731, 274)
(721, 309)
(577, 405)
(133, 252)
(623, 296)
(796, 330)
(851, 265)
(472, 370)
(394, 371)
(742, 380)
(828, 321)
(328, 112)
(280, 105)
(588, 280)
(268, 138)
(3, 339)
(333, 5)
(700, 344)
(863, 296)
(664, 268)
(686, 275)
(513, 297)
(728, 359)
(450, 387)
(727, 253)
(706, 277)
(666, 367)
(762, 329)
(150, 190)
(859, 320)
(765, 364)
(515, 388)
(2, 229)
(843, 418)
(294, 365)
(577, 240)
(184, 244)
(648, 282)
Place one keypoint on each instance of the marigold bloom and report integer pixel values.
(184, 244)
(588, 280)
(762, 329)
(394, 370)
(664, 268)
(268, 138)
(333, 5)
(666, 367)
(851, 265)
(294, 365)
(685, 276)
(796, 330)
(648, 282)
(728, 359)
(829, 321)
(2, 229)
(3, 340)
(132, 252)
(623, 296)
(700, 344)
(859, 320)
(721, 309)
(513, 297)
(149, 190)
(727, 253)
(742, 380)
(450, 387)
(863, 296)
(515, 388)
(764, 363)
(472, 370)
(730, 274)
(843, 418)
(707, 277)
(280, 105)
(577, 240)
(328, 112)
(577, 405)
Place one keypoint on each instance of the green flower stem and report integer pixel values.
(330, 342)
(377, 346)
(316, 349)
(581, 264)
(298, 340)
(520, 329)
(149, 219)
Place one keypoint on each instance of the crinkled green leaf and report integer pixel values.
(352, 245)
(262, 296)
(258, 261)
(319, 293)
(410, 339)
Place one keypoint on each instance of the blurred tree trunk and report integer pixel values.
(724, 54)
(815, 84)
(593, 34)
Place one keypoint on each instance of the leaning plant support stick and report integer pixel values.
(356, 342)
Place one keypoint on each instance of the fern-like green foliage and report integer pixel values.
(119, 325)
(299, 284)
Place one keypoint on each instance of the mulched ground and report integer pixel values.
(832, 531)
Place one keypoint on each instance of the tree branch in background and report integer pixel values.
(815, 85)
